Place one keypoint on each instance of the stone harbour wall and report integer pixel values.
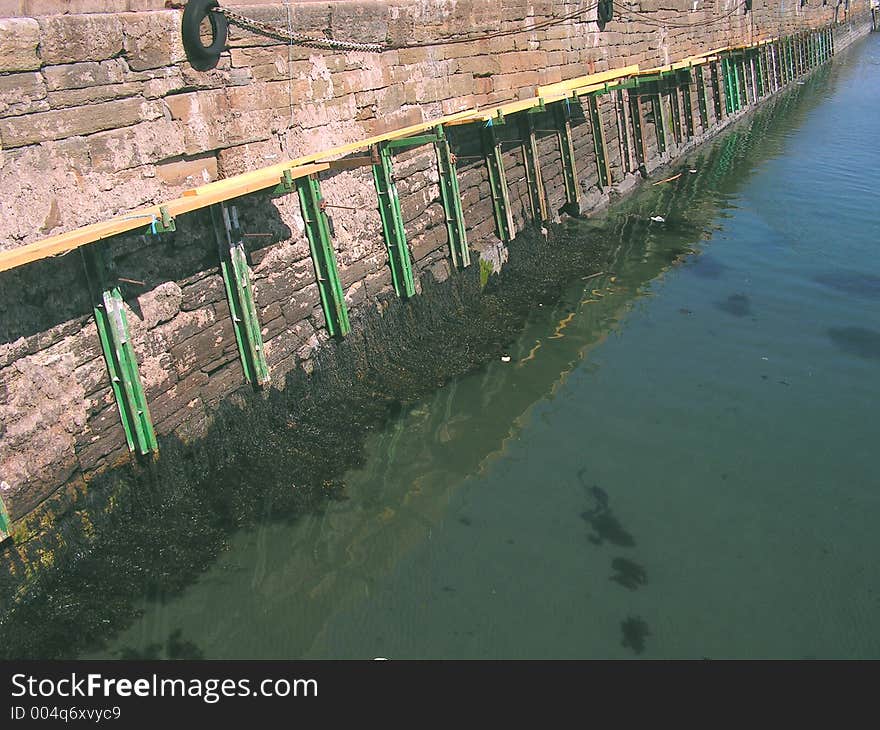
(100, 113)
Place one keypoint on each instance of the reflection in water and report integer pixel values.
(628, 574)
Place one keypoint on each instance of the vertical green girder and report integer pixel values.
(450, 196)
(534, 180)
(659, 121)
(5, 522)
(115, 338)
(392, 225)
(687, 103)
(728, 85)
(757, 75)
(622, 131)
(716, 90)
(240, 294)
(674, 109)
(636, 116)
(701, 97)
(323, 256)
(599, 145)
(562, 112)
(498, 184)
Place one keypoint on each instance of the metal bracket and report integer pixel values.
(239, 294)
(122, 365)
(562, 111)
(659, 120)
(5, 522)
(534, 180)
(498, 185)
(412, 141)
(687, 103)
(392, 224)
(287, 184)
(323, 256)
(450, 196)
(716, 90)
(163, 223)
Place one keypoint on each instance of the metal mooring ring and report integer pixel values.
(203, 57)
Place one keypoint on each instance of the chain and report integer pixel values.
(286, 35)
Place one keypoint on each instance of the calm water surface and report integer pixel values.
(678, 461)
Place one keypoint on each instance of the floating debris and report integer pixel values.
(658, 219)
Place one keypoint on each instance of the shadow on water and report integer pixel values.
(635, 631)
(858, 341)
(851, 282)
(606, 527)
(271, 458)
(628, 574)
(739, 305)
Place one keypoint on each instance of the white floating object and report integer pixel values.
(658, 219)
(692, 172)
(505, 358)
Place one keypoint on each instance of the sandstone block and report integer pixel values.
(61, 123)
(69, 38)
(153, 40)
(22, 93)
(19, 38)
(81, 75)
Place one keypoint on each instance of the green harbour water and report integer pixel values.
(677, 461)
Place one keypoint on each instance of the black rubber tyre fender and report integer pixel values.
(190, 30)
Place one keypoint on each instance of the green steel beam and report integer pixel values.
(450, 196)
(240, 293)
(562, 112)
(412, 141)
(311, 204)
(498, 184)
(534, 180)
(115, 338)
(674, 110)
(622, 131)
(637, 118)
(687, 102)
(392, 224)
(5, 522)
(701, 98)
(716, 90)
(599, 145)
(659, 121)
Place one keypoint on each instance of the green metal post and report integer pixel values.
(5, 522)
(622, 131)
(687, 102)
(450, 196)
(636, 116)
(599, 146)
(392, 225)
(562, 112)
(674, 109)
(115, 338)
(534, 181)
(498, 184)
(240, 294)
(716, 90)
(323, 256)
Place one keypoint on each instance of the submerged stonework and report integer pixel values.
(101, 113)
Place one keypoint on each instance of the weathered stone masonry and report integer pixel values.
(100, 113)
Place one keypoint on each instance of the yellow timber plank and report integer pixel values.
(198, 198)
(571, 84)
